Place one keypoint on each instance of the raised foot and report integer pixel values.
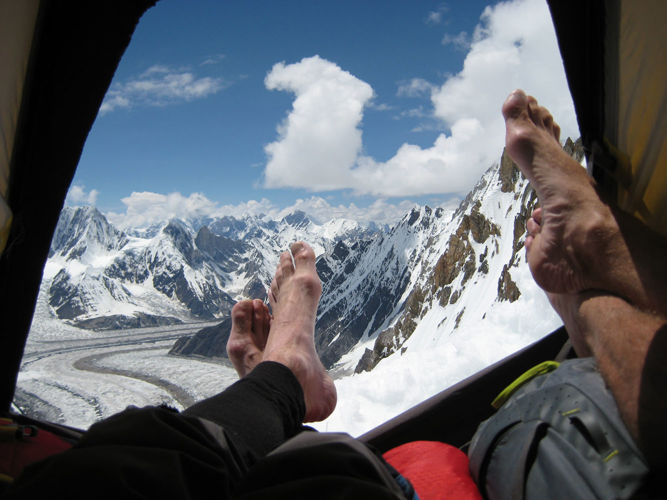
(294, 297)
(572, 242)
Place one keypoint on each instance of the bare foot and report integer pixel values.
(250, 329)
(573, 238)
(294, 297)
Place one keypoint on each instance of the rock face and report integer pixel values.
(365, 285)
(209, 342)
(509, 173)
(460, 259)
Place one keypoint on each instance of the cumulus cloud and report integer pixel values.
(319, 145)
(146, 208)
(160, 85)
(320, 138)
(446, 167)
(77, 195)
(380, 211)
(514, 46)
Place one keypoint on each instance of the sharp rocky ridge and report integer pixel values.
(385, 290)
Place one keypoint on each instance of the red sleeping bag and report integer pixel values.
(436, 470)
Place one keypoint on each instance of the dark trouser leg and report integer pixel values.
(259, 412)
(158, 453)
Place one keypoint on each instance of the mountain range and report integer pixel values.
(431, 272)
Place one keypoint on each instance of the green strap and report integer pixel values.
(541, 369)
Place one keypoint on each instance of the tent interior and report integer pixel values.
(58, 59)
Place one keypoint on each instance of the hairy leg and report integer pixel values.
(630, 348)
(294, 297)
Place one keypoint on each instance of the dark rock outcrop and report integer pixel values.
(209, 342)
(120, 322)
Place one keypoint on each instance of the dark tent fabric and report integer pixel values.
(614, 55)
(74, 53)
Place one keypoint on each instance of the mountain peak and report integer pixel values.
(297, 219)
(83, 228)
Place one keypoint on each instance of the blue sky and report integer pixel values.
(348, 108)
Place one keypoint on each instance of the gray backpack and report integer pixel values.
(558, 436)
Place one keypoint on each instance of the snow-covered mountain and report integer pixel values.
(385, 291)
(100, 277)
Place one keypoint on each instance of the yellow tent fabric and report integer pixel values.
(16, 37)
(637, 128)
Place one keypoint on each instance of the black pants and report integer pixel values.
(246, 442)
(259, 412)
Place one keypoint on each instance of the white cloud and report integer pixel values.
(435, 16)
(147, 208)
(513, 47)
(417, 87)
(319, 145)
(460, 41)
(160, 85)
(446, 167)
(380, 211)
(319, 141)
(213, 59)
(77, 195)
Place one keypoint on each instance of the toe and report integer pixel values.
(242, 316)
(534, 110)
(261, 323)
(273, 295)
(304, 255)
(515, 104)
(286, 265)
(537, 215)
(533, 227)
(529, 243)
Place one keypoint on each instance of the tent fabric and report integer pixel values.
(15, 42)
(73, 55)
(642, 108)
(54, 80)
(615, 57)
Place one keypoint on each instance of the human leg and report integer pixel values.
(631, 352)
(604, 272)
(270, 397)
